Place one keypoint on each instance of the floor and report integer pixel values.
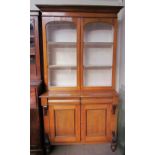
(84, 149)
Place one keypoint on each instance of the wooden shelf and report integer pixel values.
(98, 44)
(97, 67)
(62, 67)
(62, 44)
(86, 44)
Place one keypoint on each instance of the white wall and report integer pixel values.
(74, 2)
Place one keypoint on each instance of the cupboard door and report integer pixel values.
(98, 57)
(95, 123)
(61, 48)
(64, 123)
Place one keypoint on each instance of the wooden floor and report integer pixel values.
(84, 149)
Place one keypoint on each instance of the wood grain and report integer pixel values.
(64, 123)
(95, 123)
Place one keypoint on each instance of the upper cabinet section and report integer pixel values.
(79, 46)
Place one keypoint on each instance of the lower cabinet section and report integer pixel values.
(64, 122)
(95, 123)
(78, 121)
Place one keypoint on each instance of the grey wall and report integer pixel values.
(121, 79)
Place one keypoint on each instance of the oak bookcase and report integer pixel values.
(79, 61)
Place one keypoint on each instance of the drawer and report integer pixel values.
(94, 100)
(64, 101)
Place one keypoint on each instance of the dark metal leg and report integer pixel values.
(47, 145)
(114, 142)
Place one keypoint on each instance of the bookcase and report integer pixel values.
(36, 138)
(79, 55)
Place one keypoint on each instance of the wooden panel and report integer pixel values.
(45, 115)
(34, 127)
(57, 95)
(96, 100)
(114, 54)
(33, 71)
(96, 123)
(35, 124)
(32, 98)
(64, 123)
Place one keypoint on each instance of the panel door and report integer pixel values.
(98, 53)
(64, 123)
(95, 123)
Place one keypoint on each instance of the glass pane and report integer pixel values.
(62, 55)
(97, 77)
(32, 27)
(62, 77)
(98, 54)
(32, 66)
(32, 59)
(61, 31)
(98, 32)
(32, 44)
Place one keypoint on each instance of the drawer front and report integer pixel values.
(64, 101)
(96, 100)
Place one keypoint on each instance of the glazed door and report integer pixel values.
(34, 49)
(95, 123)
(64, 117)
(61, 52)
(98, 53)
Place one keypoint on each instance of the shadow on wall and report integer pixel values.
(121, 121)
